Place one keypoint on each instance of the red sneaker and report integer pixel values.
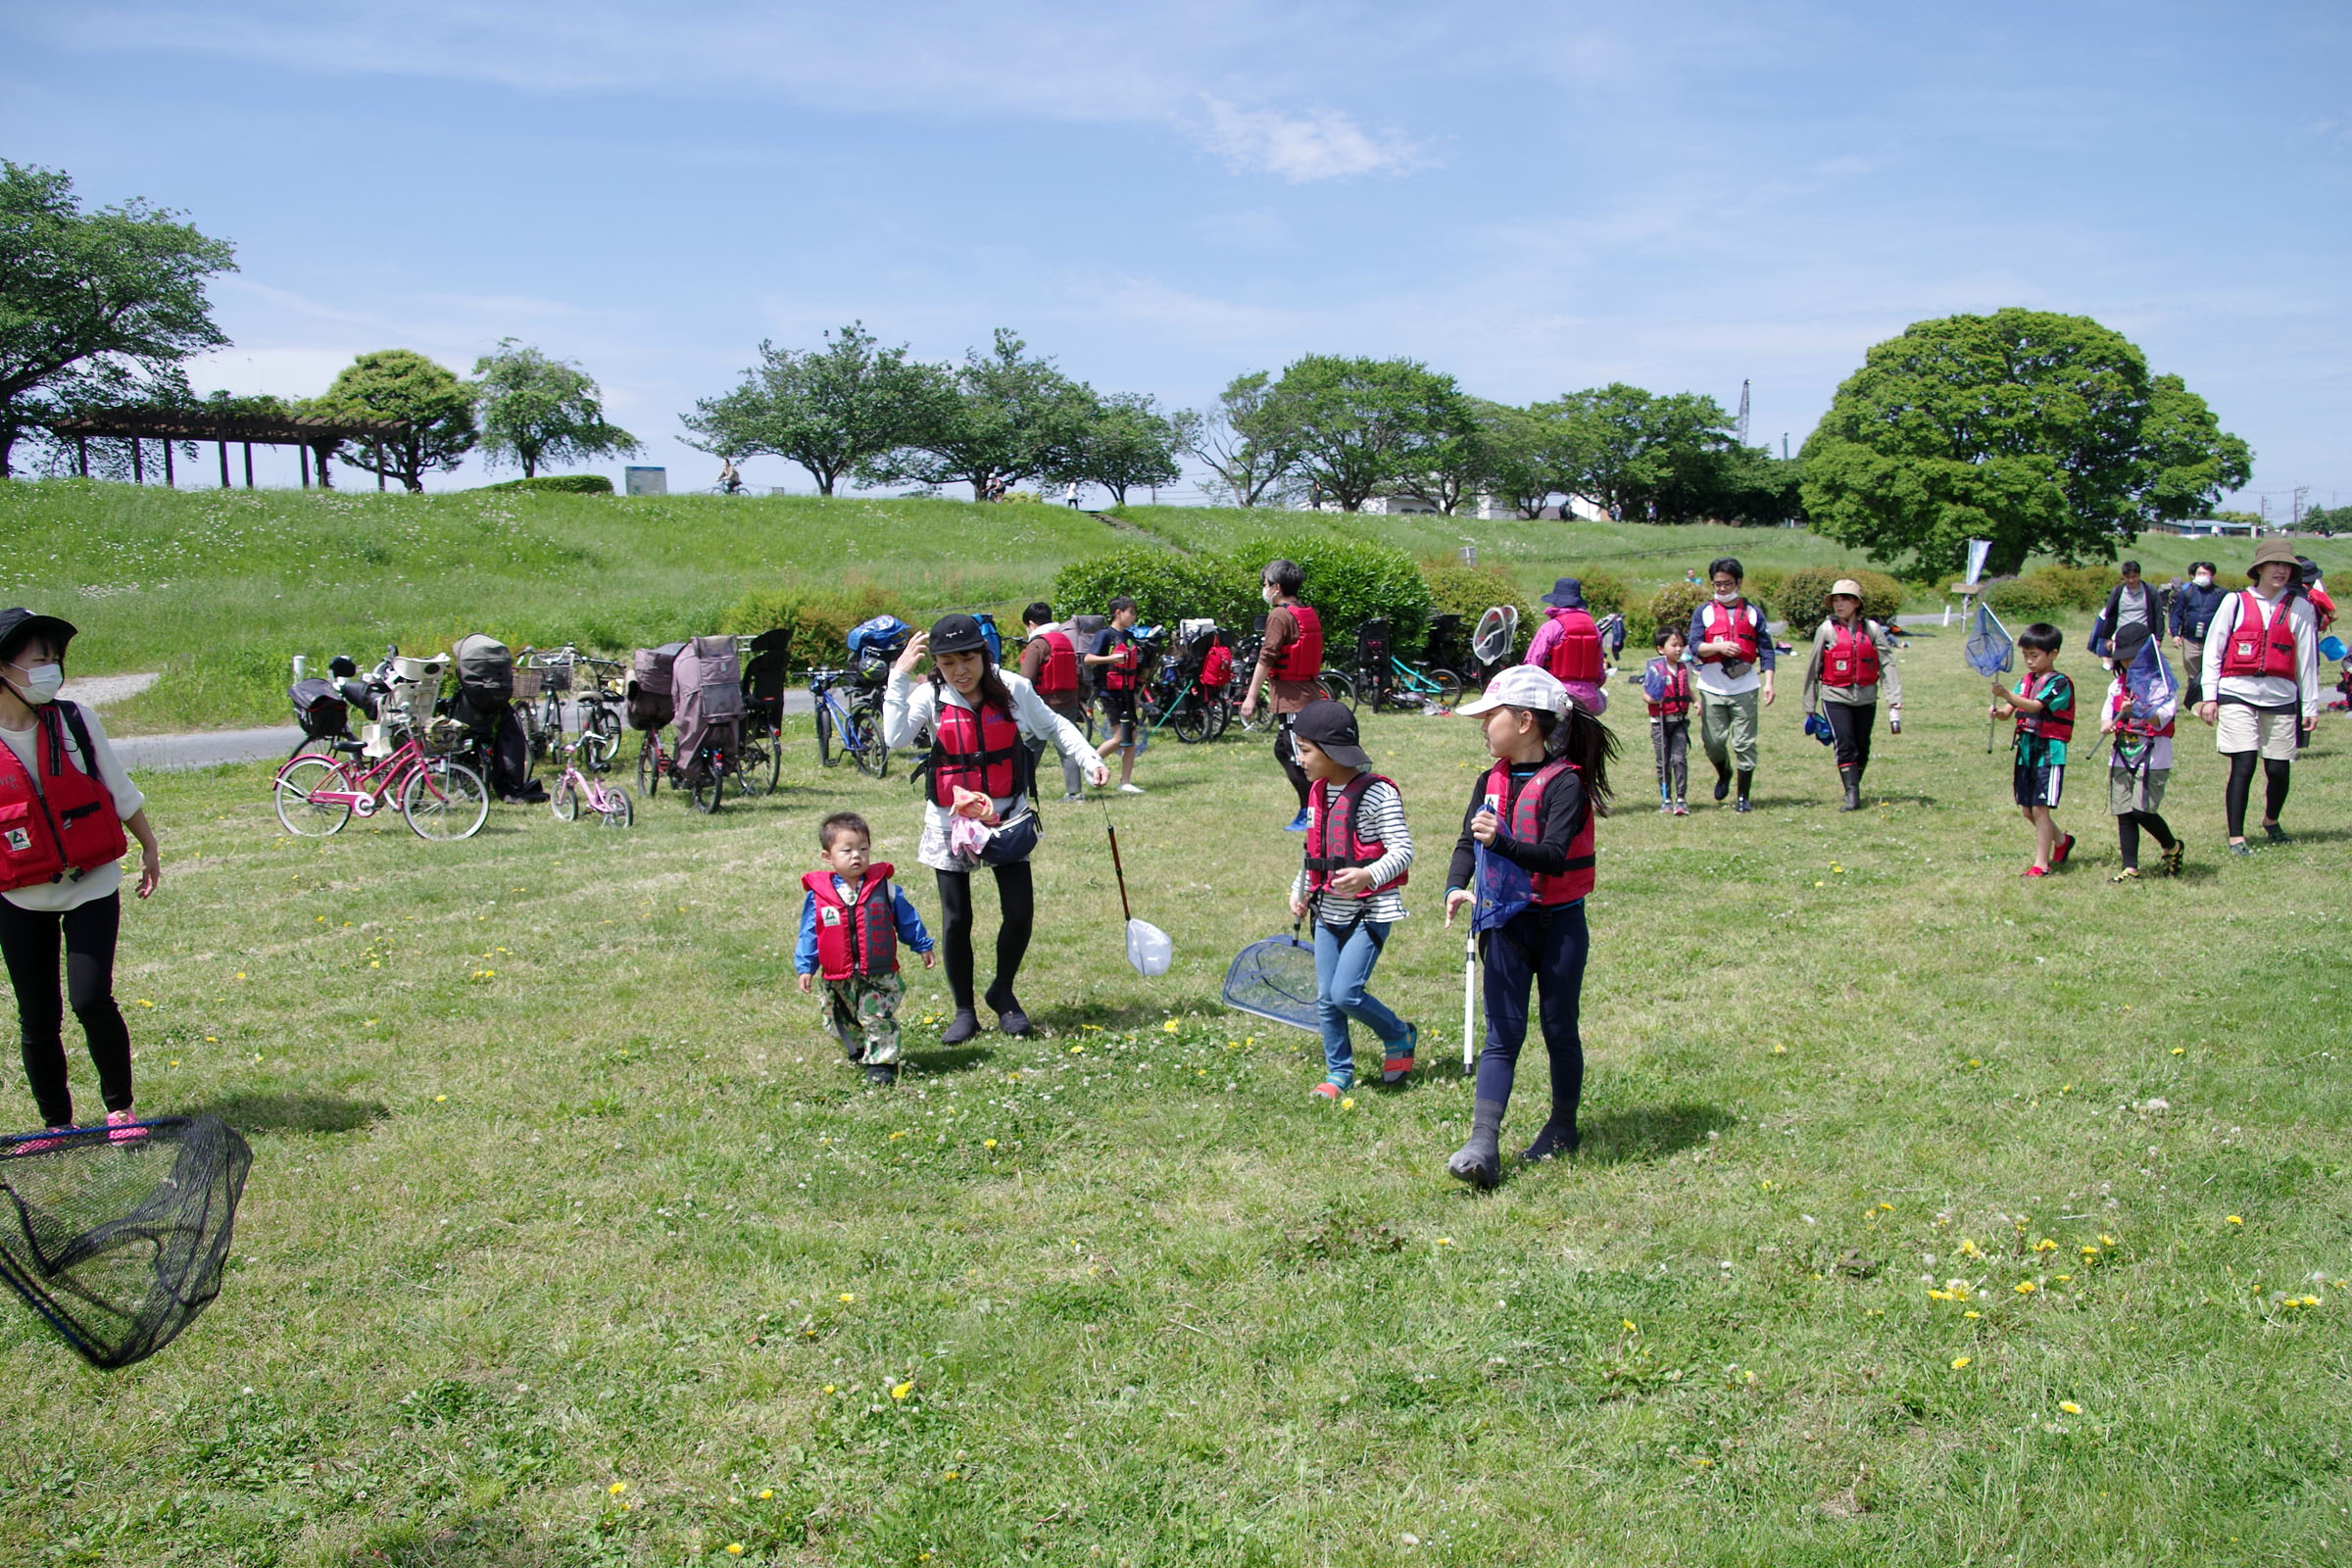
(124, 1126)
(2066, 847)
(1326, 1090)
(2034, 870)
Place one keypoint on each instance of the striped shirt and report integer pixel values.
(1380, 819)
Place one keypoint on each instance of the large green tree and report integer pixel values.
(829, 410)
(1128, 443)
(96, 306)
(400, 384)
(1007, 415)
(2042, 433)
(1248, 456)
(536, 410)
(1364, 426)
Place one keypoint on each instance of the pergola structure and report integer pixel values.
(312, 435)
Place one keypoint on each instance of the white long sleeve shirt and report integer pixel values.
(1382, 822)
(2277, 693)
(909, 707)
(90, 886)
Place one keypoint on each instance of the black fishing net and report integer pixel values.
(119, 1241)
(1275, 979)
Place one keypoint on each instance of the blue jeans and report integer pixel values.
(1344, 960)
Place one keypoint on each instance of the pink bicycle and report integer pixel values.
(439, 798)
(575, 789)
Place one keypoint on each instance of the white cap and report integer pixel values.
(1527, 686)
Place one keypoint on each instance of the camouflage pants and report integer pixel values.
(864, 1011)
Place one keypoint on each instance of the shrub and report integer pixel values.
(1349, 582)
(1764, 583)
(1471, 591)
(558, 485)
(2018, 600)
(1166, 587)
(821, 618)
(1805, 596)
(2082, 587)
(1672, 606)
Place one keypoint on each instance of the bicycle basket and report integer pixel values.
(1275, 979)
(118, 1244)
(529, 682)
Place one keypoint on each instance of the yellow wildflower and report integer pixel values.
(2069, 1408)
(1960, 1362)
(902, 1390)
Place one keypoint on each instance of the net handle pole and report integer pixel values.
(1470, 1000)
(1117, 869)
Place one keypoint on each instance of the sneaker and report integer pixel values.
(2241, 847)
(1681, 810)
(1742, 806)
(1297, 824)
(1075, 795)
(123, 1126)
(1397, 1063)
(882, 1074)
(32, 1146)
(1665, 807)
(1131, 789)
(2171, 862)
(2066, 847)
(2274, 833)
(2130, 873)
(1326, 1090)
(2034, 870)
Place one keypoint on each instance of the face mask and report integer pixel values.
(2204, 580)
(1724, 596)
(40, 682)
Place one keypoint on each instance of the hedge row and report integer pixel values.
(1804, 597)
(558, 485)
(2051, 591)
(1349, 581)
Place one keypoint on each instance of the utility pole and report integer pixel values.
(2295, 516)
(1742, 423)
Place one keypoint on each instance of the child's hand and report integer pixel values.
(1298, 908)
(1483, 826)
(809, 982)
(931, 958)
(912, 653)
(1354, 882)
(1456, 900)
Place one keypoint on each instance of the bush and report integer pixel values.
(1672, 606)
(1471, 591)
(558, 485)
(1349, 582)
(2019, 600)
(1804, 597)
(1166, 587)
(821, 618)
(1764, 583)
(2052, 590)
(2082, 587)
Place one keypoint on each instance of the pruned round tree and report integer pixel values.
(2042, 433)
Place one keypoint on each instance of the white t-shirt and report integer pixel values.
(90, 886)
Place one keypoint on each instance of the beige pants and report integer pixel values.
(2241, 728)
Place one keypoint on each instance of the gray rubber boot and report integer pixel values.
(1480, 1160)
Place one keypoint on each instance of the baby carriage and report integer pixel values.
(707, 685)
(764, 676)
(484, 711)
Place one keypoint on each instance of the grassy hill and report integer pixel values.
(217, 589)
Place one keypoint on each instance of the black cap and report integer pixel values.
(957, 633)
(1332, 730)
(2129, 641)
(21, 627)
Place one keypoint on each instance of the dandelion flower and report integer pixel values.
(617, 1489)
(846, 1298)
(144, 1003)
(2235, 1220)
(1972, 1312)
(989, 1144)
(1628, 1326)
(241, 974)
(2179, 1050)
(900, 1391)
(2025, 1287)
(830, 1387)
(437, 1098)
(734, 1548)
(1445, 1241)
(2069, 1408)
(954, 1475)
(1169, 1026)
(1348, 1102)
(1960, 1362)
(767, 1493)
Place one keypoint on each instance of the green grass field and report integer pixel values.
(570, 1240)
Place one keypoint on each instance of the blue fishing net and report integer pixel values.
(1275, 979)
(1989, 650)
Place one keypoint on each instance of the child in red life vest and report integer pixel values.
(1358, 852)
(2044, 704)
(1118, 665)
(853, 920)
(1666, 682)
(2140, 760)
(1526, 857)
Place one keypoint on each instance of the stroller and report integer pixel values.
(484, 711)
(706, 684)
(649, 699)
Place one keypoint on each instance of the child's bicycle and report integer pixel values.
(575, 789)
(1421, 688)
(598, 709)
(439, 797)
(856, 724)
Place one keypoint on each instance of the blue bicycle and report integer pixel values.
(856, 724)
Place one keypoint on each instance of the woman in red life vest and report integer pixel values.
(1118, 665)
(1289, 664)
(2261, 685)
(1358, 852)
(980, 718)
(65, 804)
(1526, 860)
(1852, 660)
(852, 919)
(1050, 663)
(1568, 644)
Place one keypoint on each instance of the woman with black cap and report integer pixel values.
(65, 804)
(981, 719)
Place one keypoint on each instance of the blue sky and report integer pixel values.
(1534, 197)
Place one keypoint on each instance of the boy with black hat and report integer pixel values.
(1358, 852)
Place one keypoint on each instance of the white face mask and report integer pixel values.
(40, 683)
(2203, 579)
(1724, 596)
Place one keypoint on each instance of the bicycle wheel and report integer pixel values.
(1448, 685)
(1220, 715)
(649, 766)
(1341, 687)
(762, 765)
(707, 781)
(565, 802)
(445, 799)
(296, 782)
(599, 737)
(865, 741)
(617, 813)
(1193, 721)
(824, 734)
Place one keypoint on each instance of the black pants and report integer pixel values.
(2126, 834)
(1016, 901)
(1287, 753)
(1544, 949)
(2277, 771)
(29, 940)
(1850, 731)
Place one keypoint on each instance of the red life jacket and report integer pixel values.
(1059, 672)
(2322, 606)
(1121, 674)
(65, 823)
(1332, 842)
(1303, 658)
(1576, 654)
(1730, 624)
(859, 938)
(979, 750)
(2253, 650)
(1677, 700)
(1852, 656)
(2117, 702)
(2051, 725)
(1523, 820)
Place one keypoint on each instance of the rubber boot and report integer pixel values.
(1009, 1016)
(1555, 1140)
(1851, 778)
(1480, 1160)
(1723, 783)
(964, 1025)
(1745, 779)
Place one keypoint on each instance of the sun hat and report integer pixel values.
(1568, 593)
(957, 633)
(1847, 586)
(1521, 686)
(1331, 730)
(2272, 552)
(19, 626)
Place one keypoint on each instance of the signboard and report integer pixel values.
(646, 481)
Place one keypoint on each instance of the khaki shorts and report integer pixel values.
(2246, 729)
(2132, 789)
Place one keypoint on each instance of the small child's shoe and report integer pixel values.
(2066, 847)
(1397, 1064)
(1326, 1090)
(124, 1126)
(2130, 873)
(1681, 808)
(1297, 824)
(2170, 865)
(882, 1074)
(2274, 833)
(2034, 870)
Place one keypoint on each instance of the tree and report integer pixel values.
(1527, 455)
(1240, 441)
(829, 410)
(2042, 433)
(399, 384)
(1004, 417)
(2328, 521)
(93, 304)
(536, 410)
(1361, 426)
(1128, 443)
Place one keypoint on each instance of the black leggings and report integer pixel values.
(1016, 901)
(2126, 831)
(28, 940)
(1850, 731)
(2275, 774)
(1287, 755)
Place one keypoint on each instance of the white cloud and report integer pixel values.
(1322, 144)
